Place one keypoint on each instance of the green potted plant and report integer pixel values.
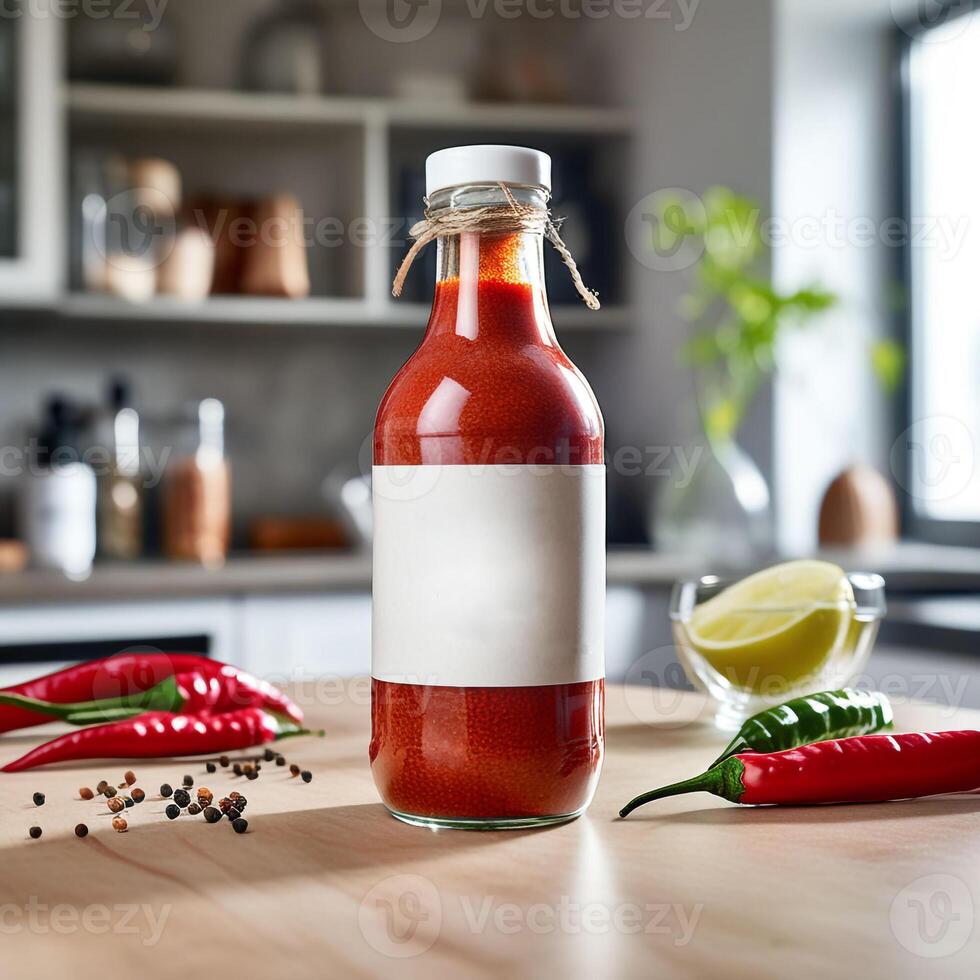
(737, 315)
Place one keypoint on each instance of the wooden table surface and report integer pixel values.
(325, 883)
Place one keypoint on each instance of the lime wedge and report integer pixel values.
(773, 629)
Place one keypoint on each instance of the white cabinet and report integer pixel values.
(32, 208)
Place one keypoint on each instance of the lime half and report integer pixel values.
(773, 629)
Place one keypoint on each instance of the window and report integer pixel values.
(938, 455)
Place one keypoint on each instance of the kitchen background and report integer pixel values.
(244, 381)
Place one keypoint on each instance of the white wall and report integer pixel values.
(834, 170)
(704, 97)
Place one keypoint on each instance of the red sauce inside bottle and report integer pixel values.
(488, 385)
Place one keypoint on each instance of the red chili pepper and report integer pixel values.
(205, 685)
(159, 734)
(864, 769)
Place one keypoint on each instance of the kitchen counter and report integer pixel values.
(326, 883)
(906, 566)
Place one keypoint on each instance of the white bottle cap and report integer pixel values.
(487, 164)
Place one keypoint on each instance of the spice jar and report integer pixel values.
(489, 508)
(197, 493)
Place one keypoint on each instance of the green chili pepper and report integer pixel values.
(816, 718)
(164, 697)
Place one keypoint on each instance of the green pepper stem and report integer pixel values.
(165, 696)
(724, 780)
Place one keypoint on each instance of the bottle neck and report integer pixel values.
(491, 285)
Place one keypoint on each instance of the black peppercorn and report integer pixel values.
(39, 799)
(237, 769)
(252, 775)
(225, 762)
(294, 769)
(188, 781)
(109, 792)
(173, 811)
(81, 830)
(138, 796)
(212, 814)
(101, 787)
(307, 776)
(129, 801)
(233, 814)
(211, 767)
(182, 798)
(280, 760)
(166, 791)
(194, 809)
(35, 832)
(240, 825)
(268, 755)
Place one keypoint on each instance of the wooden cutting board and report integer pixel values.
(326, 884)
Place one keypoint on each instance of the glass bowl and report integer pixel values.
(827, 647)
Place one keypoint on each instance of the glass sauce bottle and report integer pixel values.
(489, 553)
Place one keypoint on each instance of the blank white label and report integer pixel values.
(488, 576)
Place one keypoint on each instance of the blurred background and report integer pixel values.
(202, 203)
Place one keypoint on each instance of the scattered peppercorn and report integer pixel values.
(109, 792)
(194, 809)
(81, 830)
(138, 796)
(241, 803)
(225, 762)
(307, 776)
(39, 799)
(240, 825)
(101, 788)
(86, 794)
(248, 767)
(166, 791)
(204, 795)
(280, 760)
(211, 767)
(237, 769)
(130, 777)
(294, 769)
(119, 825)
(116, 804)
(233, 813)
(252, 775)
(35, 832)
(182, 798)
(129, 801)
(212, 814)
(188, 781)
(268, 755)
(173, 811)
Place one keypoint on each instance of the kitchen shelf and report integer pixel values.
(87, 102)
(314, 312)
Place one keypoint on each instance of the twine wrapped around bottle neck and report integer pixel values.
(489, 219)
